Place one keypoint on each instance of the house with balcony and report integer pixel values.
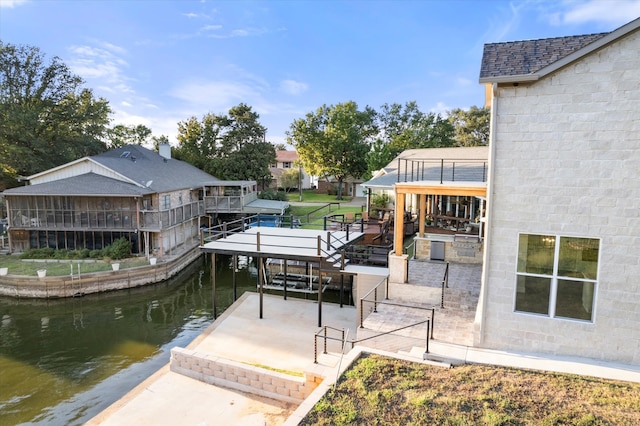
(156, 202)
(562, 240)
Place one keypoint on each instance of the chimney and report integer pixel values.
(165, 151)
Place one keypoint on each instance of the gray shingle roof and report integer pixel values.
(88, 184)
(529, 56)
(151, 170)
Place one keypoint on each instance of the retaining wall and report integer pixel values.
(225, 373)
(67, 286)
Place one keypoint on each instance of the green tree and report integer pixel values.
(47, 117)
(231, 147)
(121, 135)
(405, 127)
(471, 127)
(334, 141)
(197, 142)
(289, 179)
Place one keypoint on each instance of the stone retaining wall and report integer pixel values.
(67, 286)
(225, 373)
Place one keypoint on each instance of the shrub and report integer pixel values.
(119, 249)
(270, 194)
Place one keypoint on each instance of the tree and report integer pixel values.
(290, 179)
(406, 127)
(334, 141)
(121, 135)
(229, 146)
(47, 118)
(471, 127)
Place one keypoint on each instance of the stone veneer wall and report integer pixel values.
(461, 251)
(222, 372)
(567, 162)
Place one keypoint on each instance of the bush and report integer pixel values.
(270, 194)
(119, 249)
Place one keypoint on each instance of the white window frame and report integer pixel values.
(553, 290)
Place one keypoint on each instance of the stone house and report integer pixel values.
(562, 244)
(156, 202)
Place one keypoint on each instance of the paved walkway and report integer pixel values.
(284, 339)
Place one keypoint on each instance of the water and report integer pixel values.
(64, 361)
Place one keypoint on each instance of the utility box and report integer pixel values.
(437, 250)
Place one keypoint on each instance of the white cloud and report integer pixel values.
(293, 87)
(215, 96)
(9, 4)
(615, 12)
(440, 108)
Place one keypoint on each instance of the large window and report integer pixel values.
(557, 276)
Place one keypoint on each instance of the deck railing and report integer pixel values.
(449, 170)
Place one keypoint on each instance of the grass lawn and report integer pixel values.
(383, 391)
(18, 267)
(311, 196)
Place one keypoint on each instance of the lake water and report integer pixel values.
(64, 361)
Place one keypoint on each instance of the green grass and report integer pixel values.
(18, 267)
(383, 391)
(313, 216)
(311, 196)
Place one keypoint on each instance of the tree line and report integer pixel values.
(48, 118)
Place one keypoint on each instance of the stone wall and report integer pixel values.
(567, 162)
(463, 249)
(213, 370)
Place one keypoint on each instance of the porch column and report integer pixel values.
(423, 214)
(398, 224)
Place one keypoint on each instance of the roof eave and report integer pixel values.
(591, 47)
(520, 78)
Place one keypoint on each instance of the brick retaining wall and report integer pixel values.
(225, 373)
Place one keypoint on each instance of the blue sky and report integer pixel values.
(159, 62)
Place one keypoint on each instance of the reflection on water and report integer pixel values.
(63, 361)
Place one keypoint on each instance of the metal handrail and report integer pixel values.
(445, 283)
(324, 336)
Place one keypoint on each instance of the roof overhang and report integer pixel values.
(586, 50)
(470, 189)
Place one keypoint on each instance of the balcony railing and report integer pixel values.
(228, 203)
(442, 170)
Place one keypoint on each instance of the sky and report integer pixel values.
(160, 62)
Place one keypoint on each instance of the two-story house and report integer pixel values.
(562, 244)
(286, 161)
(155, 201)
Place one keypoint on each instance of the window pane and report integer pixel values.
(533, 294)
(574, 299)
(535, 254)
(578, 257)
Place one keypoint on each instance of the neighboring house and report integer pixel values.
(156, 202)
(561, 267)
(350, 186)
(287, 160)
